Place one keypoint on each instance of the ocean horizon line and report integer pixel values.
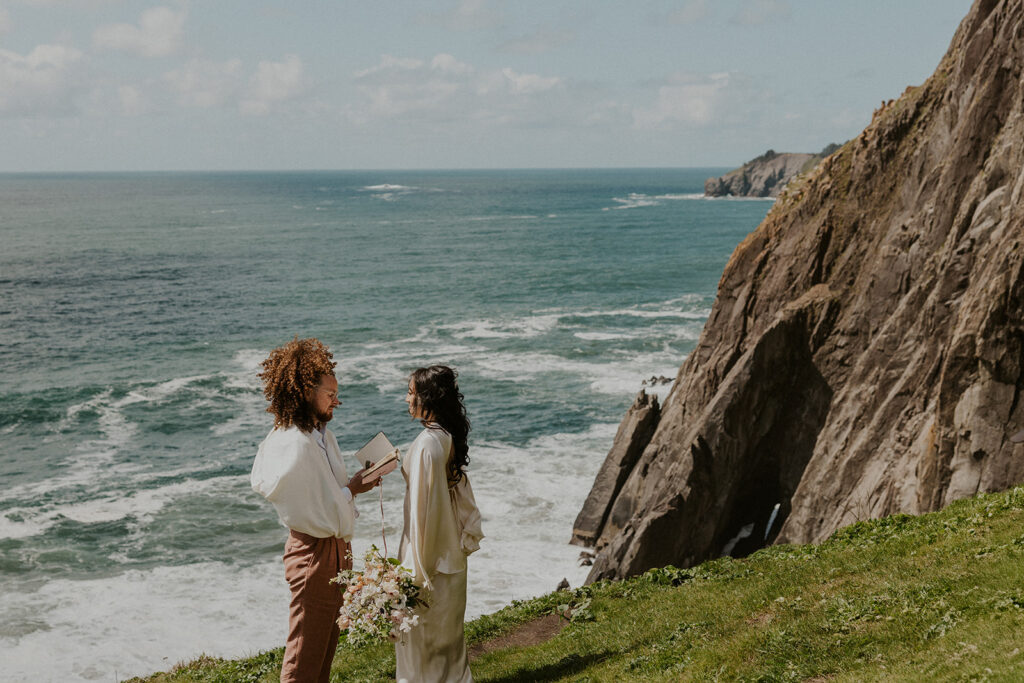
(242, 171)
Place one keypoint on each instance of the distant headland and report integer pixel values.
(766, 175)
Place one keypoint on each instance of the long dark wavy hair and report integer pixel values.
(438, 396)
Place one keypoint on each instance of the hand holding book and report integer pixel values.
(379, 456)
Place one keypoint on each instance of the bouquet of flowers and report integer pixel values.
(379, 601)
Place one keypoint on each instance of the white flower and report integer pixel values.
(378, 602)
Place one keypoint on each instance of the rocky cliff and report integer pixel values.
(864, 353)
(764, 176)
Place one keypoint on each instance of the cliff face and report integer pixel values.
(864, 354)
(765, 176)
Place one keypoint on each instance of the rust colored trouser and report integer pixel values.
(309, 564)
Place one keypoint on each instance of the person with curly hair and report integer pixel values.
(441, 527)
(300, 470)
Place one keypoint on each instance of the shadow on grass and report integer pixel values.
(566, 666)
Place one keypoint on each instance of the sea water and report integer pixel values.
(135, 310)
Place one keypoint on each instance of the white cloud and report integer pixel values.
(204, 84)
(689, 100)
(274, 82)
(691, 12)
(756, 12)
(5, 21)
(158, 34)
(446, 89)
(389, 63)
(530, 83)
(448, 64)
(39, 83)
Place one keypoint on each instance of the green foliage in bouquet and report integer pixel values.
(379, 602)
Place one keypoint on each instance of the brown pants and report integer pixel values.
(309, 565)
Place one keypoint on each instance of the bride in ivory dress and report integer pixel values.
(441, 527)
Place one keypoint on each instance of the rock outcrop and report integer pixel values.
(633, 435)
(865, 352)
(765, 176)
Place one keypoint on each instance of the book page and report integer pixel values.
(377, 456)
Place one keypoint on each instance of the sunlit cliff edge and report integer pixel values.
(864, 353)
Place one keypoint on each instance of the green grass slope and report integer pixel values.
(936, 597)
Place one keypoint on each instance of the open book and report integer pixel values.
(378, 456)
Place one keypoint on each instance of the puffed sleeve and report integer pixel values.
(467, 516)
(297, 480)
(430, 510)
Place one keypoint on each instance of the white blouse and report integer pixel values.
(306, 484)
(442, 524)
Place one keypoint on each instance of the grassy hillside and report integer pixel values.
(936, 597)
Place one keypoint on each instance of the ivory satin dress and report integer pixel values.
(441, 527)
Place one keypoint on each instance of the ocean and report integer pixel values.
(135, 310)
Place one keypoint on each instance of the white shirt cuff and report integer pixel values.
(347, 494)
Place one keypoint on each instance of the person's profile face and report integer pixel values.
(325, 398)
(410, 399)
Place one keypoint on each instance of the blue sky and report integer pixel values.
(321, 84)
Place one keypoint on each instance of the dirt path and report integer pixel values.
(531, 633)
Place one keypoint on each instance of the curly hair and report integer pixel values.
(438, 395)
(289, 374)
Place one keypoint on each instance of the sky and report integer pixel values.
(130, 85)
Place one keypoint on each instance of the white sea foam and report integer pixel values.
(143, 621)
(543, 322)
(643, 313)
(688, 332)
(604, 336)
(528, 326)
(388, 368)
(387, 364)
(387, 187)
(249, 359)
(633, 201)
(680, 197)
(23, 522)
(89, 457)
(636, 200)
(161, 391)
(250, 405)
(245, 422)
(606, 378)
(390, 192)
(94, 460)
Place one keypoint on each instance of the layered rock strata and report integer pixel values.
(864, 353)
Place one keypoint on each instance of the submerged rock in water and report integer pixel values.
(865, 351)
